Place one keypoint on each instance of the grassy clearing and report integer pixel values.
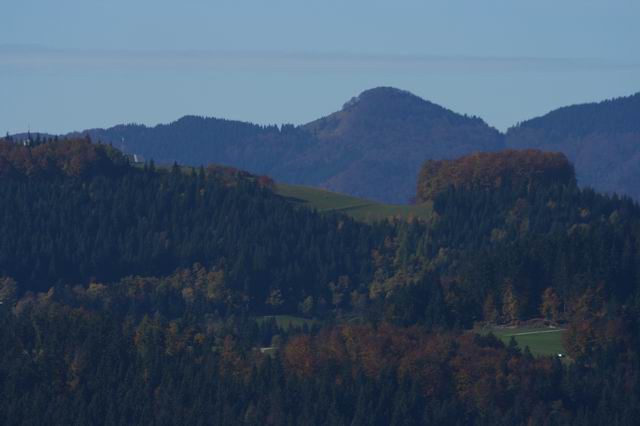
(286, 321)
(359, 209)
(541, 341)
(327, 201)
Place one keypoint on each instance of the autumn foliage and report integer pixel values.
(477, 370)
(494, 170)
(73, 158)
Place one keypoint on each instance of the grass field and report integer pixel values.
(327, 201)
(359, 209)
(541, 341)
(286, 321)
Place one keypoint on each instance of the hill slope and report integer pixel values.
(601, 139)
(379, 140)
(358, 208)
(143, 295)
(199, 141)
(372, 148)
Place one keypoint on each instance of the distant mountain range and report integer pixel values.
(372, 148)
(602, 140)
(375, 145)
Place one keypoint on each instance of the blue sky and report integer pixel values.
(75, 64)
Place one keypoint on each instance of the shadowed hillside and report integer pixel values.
(601, 139)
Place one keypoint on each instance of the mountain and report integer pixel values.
(198, 141)
(378, 141)
(602, 140)
(372, 148)
(375, 145)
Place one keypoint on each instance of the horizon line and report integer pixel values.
(35, 57)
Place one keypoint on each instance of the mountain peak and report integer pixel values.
(382, 97)
(377, 110)
(381, 94)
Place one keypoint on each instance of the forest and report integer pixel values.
(139, 294)
(493, 170)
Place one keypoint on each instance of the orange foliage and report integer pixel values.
(494, 170)
(76, 157)
(476, 372)
(299, 356)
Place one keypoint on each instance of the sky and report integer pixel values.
(77, 64)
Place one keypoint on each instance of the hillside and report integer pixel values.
(372, 148)
(492, 171)
(381, 138)
(358, 208)
(602, 140)
(135, 294)
(199, 141)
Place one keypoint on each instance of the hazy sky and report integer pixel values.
(74, 64)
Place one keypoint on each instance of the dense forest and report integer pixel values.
(492, 171)
(144, 294)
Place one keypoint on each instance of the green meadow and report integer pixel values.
(359, 209)
(541, 341)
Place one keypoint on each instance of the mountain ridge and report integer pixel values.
(375, 145)
(601, 139)
(371, 148)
